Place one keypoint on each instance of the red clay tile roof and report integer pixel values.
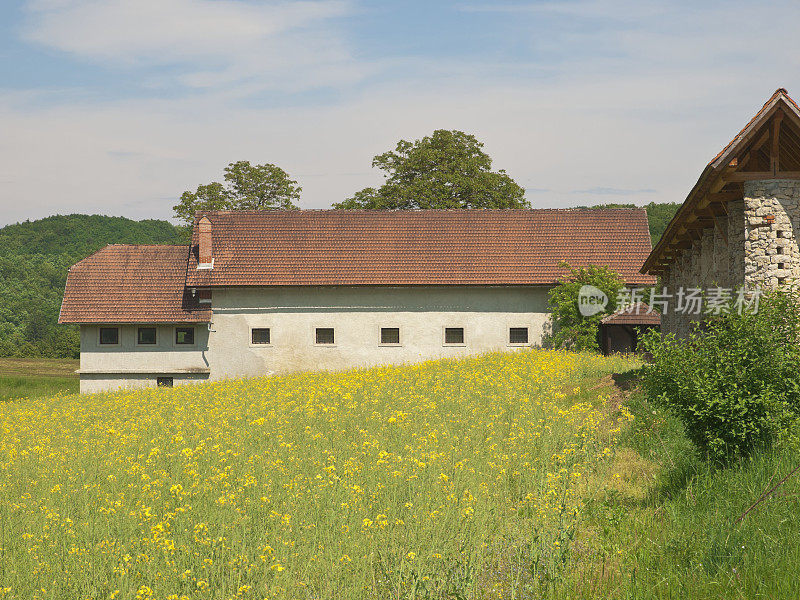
(419, 247)
(131, 284)
(637, 314)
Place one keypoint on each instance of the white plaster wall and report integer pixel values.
(357, 314)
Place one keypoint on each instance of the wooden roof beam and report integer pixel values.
(722, 197)
(775, 147)
(722, 230)
(742, 176)
(700, 223)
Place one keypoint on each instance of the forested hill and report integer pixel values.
(34, 258)
(80, 235)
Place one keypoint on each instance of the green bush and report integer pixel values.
(735, 383)
(572, 330)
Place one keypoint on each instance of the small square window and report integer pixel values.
(164, 381)
(390, 335)
(779, 250)
(324, 335)
(260, 335)
(184, 336)
(146, 336)
(109, 335)
(781, 265)
(518, 335)
(453, 335)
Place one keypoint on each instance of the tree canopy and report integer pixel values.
(246, 187)
(448, 169)
(571, 329)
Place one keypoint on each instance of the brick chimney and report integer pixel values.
(205, 249)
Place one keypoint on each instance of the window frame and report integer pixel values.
(154, 328)
(175, 336)
(255, 345)
(518, 344)
(323, 344)
(100, 341)
(463, 341)
(396, 344)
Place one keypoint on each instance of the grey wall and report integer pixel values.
(128, 364)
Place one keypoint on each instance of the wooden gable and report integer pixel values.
(768, 147)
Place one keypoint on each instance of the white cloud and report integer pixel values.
(638, 123)
(280, 45)
(136, 158)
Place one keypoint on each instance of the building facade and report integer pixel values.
(737, 228)
(261, 293)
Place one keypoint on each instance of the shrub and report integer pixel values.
(735, 383)
(571, 329)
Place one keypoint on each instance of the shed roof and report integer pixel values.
(419, 247)
(131, 284)
(638, 313)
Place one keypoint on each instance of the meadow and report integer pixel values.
(36, 377)
(448, 479)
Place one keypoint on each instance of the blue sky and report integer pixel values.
(117, 106)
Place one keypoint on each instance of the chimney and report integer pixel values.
(205, 250)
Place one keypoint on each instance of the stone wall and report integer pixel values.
(772, 215)
(761, 249)
(710, 262)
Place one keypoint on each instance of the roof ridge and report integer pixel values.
(147, 245)
(418, 210)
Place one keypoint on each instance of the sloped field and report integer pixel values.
(449, 477)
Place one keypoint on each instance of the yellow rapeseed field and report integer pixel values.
(448, 477)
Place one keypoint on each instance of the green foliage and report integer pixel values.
(246, 187)
(571, 329)
(34, 259)
(80, 235)
(449, 169)
(735, 385)
(658, 217)
(659, 214)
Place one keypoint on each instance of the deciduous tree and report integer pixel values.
(246, 187)
(448, 169)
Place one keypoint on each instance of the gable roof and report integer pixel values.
(131, 284)
(639, 313)
(712, 179)
(419, 247)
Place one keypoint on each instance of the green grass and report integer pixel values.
(36, 377)
(665, 523)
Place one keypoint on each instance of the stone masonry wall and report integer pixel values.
(761, 250)
(772, 215)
